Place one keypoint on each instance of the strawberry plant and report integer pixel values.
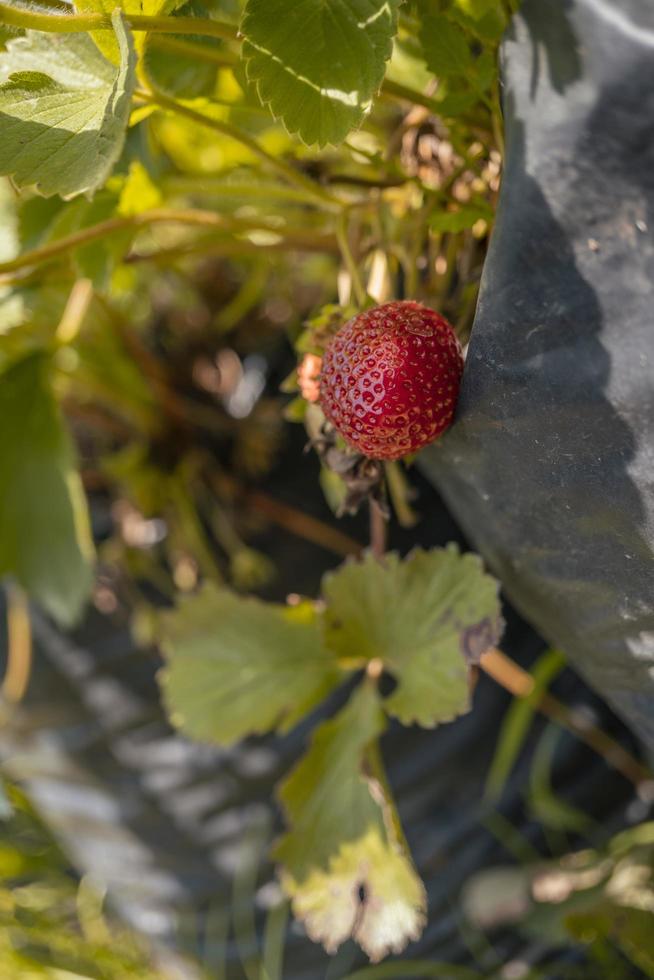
(195, 195)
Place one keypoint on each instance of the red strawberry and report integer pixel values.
(390, 379)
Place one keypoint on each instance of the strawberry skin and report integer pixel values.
(390, 379)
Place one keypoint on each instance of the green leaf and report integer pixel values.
(343, 867)
(239, 666)
(187, 71)
(327, 798)
(485, 70)
(426, 618)
(600, 896)
(63, 110)
(630, 928)
(94, 260)
(317, 64)
(444, 44)
(179, 74)
(453, 103)
(485, 19)
(44, 534)
(334, 488)
(459, 220)
(477, 9)
(296, 410)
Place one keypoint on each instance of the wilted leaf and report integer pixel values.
(238, 666)
(316, 65)
(343, 866)
(44, 535)
(370, 892)
(63, 110)
(426, 618)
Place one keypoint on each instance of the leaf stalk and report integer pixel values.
(38, 20)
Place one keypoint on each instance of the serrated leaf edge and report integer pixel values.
(278, 118)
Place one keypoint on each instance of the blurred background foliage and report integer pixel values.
(169, 378)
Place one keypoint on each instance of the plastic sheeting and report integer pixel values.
(550, 466)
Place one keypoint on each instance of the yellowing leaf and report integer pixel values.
(63, 110)
(343, 866)
(104, 40)
(139, 193)
(327, 797)
(238, 666)
(426, 618)
(45, 541)
(370, 892)
(318, 65)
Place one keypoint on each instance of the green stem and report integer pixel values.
(192, 527)
(77, 306)
(188, 216)
(497, 119)
(392, 820)
(245, 299)
(62, 245)
(403, 93)
(234, 249)
(358, 288)
(317, 192)
(399, 490)
(210, 186)
(378, 530)
(220, 57)
(37, 20)
(274, 943)
(19, 645)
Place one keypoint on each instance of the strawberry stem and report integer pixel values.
(400, 492)
(378, 526)
(358, 289)
(520, 684)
